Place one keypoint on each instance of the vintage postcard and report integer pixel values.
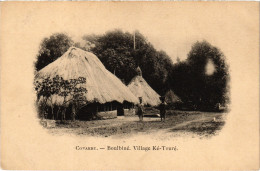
(129, 85)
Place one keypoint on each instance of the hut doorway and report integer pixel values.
(88, 112)
(120, 110)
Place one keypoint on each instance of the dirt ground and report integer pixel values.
(177, 123)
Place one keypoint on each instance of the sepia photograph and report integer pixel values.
(129, 85)
(98, 86)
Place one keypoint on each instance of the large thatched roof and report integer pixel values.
(171, 97)
(102, 86)
(140, 88)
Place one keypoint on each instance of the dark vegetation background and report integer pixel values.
(115, 49)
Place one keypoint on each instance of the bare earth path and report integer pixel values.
(181, 129)
(177, 123)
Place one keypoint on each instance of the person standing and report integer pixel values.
(162, 108)
(140, 109)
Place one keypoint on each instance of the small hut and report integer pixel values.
(105, 92)
(140, 88)
(172, 99)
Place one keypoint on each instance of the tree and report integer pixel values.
(116, 51)
(211, 88)
(46, 89)
(156, 71)
(179, 80)
(192, 81)
(51, 48)
(71, 91)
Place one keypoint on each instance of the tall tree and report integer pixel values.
(203, 78)
(116, 51)
(51, 48)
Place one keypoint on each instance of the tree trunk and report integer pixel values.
(64, 109)
(73, 113)
(52, 113)
(63, 114)
(57, 114)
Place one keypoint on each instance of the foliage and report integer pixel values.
(51, 48)
(71, 91)
(116, 51)
(191, 81)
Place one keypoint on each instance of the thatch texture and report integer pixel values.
(102, 86)
(171, 98)
(140, 88)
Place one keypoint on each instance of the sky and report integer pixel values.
(174, 43)
(171, 28)
(174, 48)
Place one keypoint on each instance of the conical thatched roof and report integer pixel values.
(102, 86)
(171, 97)
(140, 88)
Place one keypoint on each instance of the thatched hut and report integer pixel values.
(172, 99)
(105, 92)
(140, 88)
